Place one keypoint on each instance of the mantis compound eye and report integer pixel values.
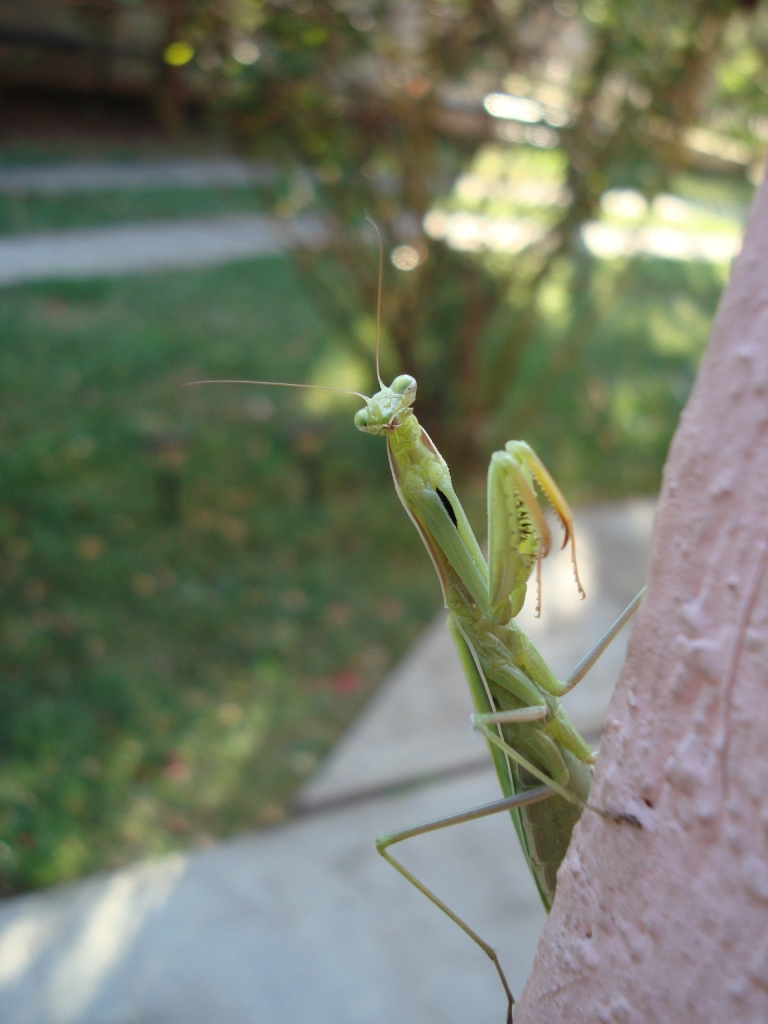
(361, 419)
(404, 385)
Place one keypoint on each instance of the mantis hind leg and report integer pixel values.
(557, 777)
(485, 724)
(510, 803)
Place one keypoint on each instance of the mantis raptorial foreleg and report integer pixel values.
(518, 535)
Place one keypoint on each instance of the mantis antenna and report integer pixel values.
(375, 227)
(280, 384)
(326, 387)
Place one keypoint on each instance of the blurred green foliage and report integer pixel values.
(190, 606)
(383, 108)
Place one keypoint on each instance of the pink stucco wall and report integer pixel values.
(670, 923)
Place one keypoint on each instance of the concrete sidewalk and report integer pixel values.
(304, 921)
(144, 248)
(110, 175)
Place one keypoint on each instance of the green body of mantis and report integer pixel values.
(543, 764)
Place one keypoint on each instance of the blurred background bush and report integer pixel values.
(201, 587)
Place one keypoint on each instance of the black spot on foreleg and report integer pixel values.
(447, 506)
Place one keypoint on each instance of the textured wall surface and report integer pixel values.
(670, 923)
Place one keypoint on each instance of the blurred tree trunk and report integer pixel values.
(669, 923)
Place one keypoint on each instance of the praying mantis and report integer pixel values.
(543, 764)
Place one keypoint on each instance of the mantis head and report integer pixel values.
(382, 412)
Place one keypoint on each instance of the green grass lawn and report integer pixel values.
(199, 587)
